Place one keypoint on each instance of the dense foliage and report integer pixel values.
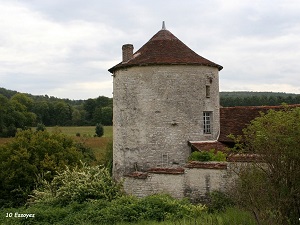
(228, 99)
(205, 156)
(23, 110)
(99, 130)
(159, 207)
(15, 113)
(32, 153)
(78, 184)
(271, 188)
(108, 157)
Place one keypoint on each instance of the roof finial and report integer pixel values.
(163, 26)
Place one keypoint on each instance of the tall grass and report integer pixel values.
(232, 216)
(89, 213)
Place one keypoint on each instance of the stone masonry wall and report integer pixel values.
(193, 183)
(157, 109)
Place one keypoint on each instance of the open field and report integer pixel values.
(85, 131)
(98, 144)
(5, 140)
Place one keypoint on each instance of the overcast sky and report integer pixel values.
(63, 48)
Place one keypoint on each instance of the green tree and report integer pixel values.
(3, 113)
(77, 117)
(23, 99)
(14, 113)
(63, 113)
(99, 130)
(41, 109)
(97, 115)
(29, 154)
(40, 127)
(107, 116)
(89, 106)
(103, 101)
(271, 188)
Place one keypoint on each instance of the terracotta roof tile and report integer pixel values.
(165, 49)
(206, 146)
(174, 171)
(207, 165)
(234, 119)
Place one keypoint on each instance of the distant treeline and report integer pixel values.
(228, 99)
(19, 110)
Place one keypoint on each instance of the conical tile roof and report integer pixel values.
(165, 49)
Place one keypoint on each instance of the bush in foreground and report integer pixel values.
(270, 187)
(123, 209)
(79, 184)
(29, 154)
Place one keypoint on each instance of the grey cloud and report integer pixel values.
(257, 42)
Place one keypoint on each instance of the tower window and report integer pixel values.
(207, 91)
(207, 116)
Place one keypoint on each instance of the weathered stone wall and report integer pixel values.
(156, 183)
(157, 109)
(193, 183)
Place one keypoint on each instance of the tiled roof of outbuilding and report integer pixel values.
(207, 145)
(234, 119)
(165, 49)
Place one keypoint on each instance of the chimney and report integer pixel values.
(127, 51)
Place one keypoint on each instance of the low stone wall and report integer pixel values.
(194, 181)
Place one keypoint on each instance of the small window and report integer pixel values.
(164, 160)
(207, 122)
(207, 91)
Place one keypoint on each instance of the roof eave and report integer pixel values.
(124, 65)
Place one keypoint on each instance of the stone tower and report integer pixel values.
(165, 95)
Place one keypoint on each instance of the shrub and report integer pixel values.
(78, 185)
(158, 207)
(29, 154)
(219, 202)
(40, 127)
(99, 130)
(108, 157)
(219, 156)
(118, 212)
(205, 156)
(271, 190)
(87, 152)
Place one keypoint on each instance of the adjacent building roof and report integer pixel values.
(207, 145)
(165, 49)
(234, 119)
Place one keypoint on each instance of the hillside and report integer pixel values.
(223, 95)
(21, 110)
(247, 98)
(227, 99)
(254, 93)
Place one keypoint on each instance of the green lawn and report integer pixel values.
(85, 131)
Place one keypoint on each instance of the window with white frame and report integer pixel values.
(207, 119)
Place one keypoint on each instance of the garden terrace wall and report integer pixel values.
(195, 180)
